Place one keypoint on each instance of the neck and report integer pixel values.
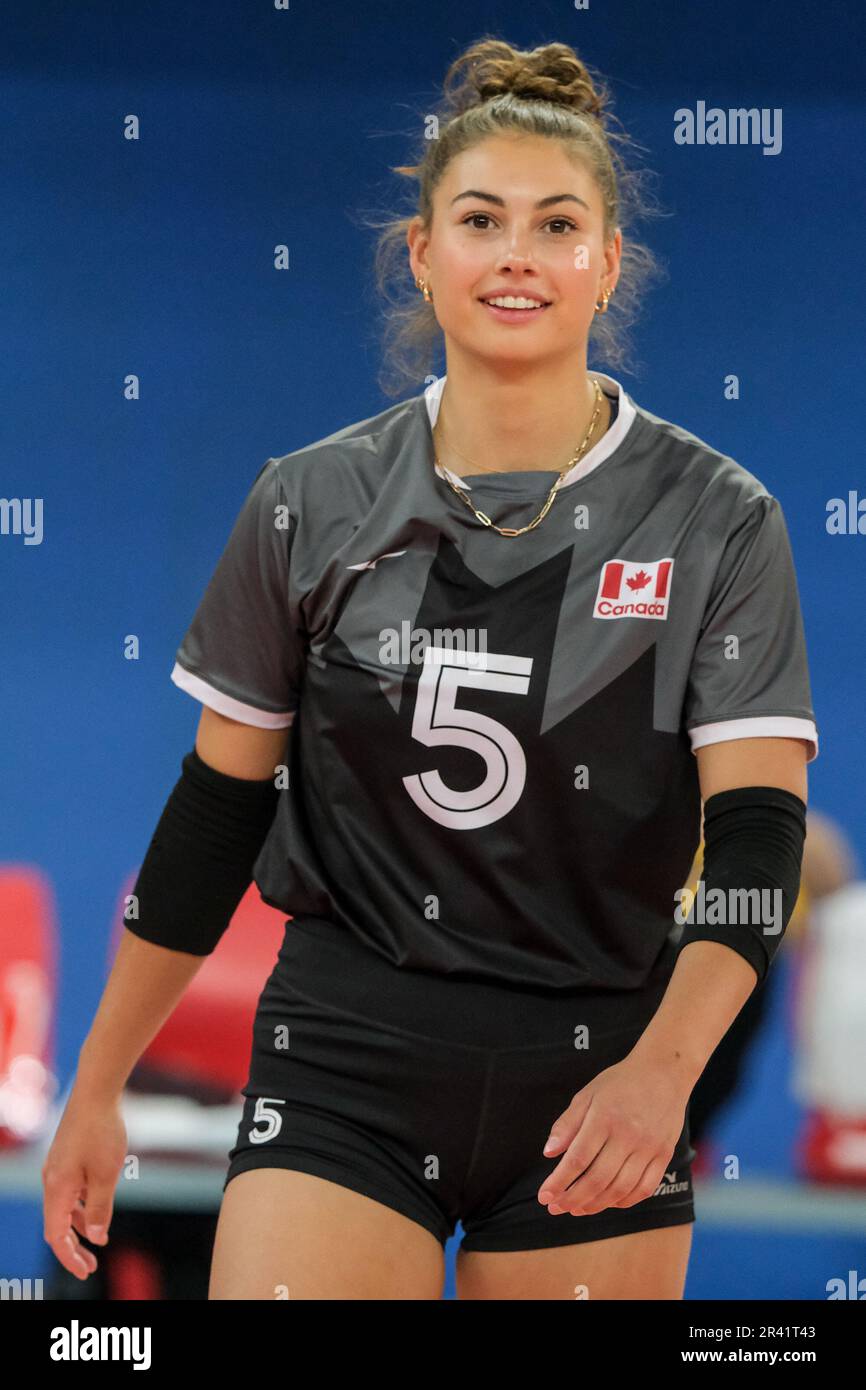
(516, 417)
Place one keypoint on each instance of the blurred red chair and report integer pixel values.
(28, 994)
(204, 1048)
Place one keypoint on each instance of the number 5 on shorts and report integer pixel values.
(272, 1119)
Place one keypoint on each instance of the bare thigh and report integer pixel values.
(642, 1264)
(283, 1234)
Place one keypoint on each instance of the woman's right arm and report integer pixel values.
(144, 987)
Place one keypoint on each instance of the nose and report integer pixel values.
(517, 258)
(520, 267)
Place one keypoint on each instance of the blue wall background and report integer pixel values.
(155, 257)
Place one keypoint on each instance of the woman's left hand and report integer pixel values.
(623, 1126)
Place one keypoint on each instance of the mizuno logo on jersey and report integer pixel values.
(634, 589)
(371, 564)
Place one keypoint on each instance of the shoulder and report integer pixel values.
(717, 489)
(331, 462)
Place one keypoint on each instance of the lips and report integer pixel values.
(541, 303)
(514, 316)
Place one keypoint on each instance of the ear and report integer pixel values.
(417, 240)
(612, 258)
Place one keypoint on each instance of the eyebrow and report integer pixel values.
(500, 202)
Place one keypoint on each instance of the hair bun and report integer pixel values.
(551, 73)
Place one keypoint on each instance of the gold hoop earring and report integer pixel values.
(605, 296)
(425, 288)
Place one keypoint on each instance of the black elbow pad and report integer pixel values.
(753, 840)
(200, 860)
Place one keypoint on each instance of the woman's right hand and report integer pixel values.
(79, 1177)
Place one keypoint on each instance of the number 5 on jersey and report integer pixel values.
(438, 721)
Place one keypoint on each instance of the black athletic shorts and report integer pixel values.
(435, 1096)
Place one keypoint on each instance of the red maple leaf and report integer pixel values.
(639, 581)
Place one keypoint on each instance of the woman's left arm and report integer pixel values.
(627, 1120)
(711, 982)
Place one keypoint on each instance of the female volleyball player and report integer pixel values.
(503, 638)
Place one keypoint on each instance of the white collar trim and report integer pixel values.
(597, 454)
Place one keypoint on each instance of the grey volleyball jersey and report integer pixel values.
(490, 766)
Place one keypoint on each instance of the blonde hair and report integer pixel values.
(490, 88)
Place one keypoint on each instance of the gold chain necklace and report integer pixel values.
(508, 530)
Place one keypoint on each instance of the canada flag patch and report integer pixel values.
(632, 589)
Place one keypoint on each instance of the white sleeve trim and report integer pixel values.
(226, 704)
(765, 726)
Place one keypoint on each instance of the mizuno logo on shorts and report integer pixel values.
(669, 1184)
(634, 589)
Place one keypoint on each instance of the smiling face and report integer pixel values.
(516, 214)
